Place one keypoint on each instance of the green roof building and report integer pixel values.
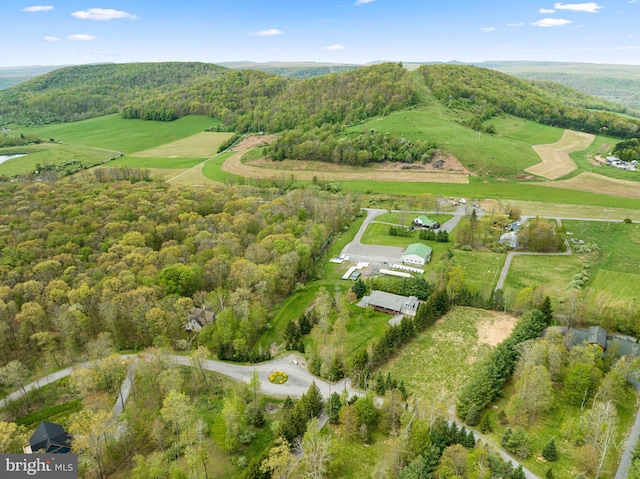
(417, 253)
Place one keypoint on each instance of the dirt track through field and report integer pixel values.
(555, 157)
(594, 183)
(235, 166)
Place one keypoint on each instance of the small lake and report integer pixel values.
(4, 158)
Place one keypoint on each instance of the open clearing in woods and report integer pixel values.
(437, 363)
(594, 183)
(555, 157)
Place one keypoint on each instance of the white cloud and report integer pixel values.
(81, 37)
(38, 8)
(591, 7)
(102, 14)
(335, 47)
(363, 2)
(51, 39)
(519, 24)
(546, 10)
(268, 33)
(488, 29)
(551, 22)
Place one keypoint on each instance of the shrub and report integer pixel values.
(278, 377)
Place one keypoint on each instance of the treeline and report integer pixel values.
(627, 150)
(7, 141)
(326, 144)
(86, 91)
(132, 259)
(248, 100)
(487, 93)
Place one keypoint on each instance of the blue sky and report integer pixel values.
(355, 31)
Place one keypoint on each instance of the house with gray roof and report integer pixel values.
(391, 303)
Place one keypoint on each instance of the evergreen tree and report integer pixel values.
(336, 370)
(380, 387)
(332, 407)
(549, 474)
(485, 425)
(473, 416)
(546, 310)
(359, 288)
(518, 473)
(550, 452)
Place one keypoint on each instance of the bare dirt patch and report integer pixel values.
(594, 183)
(497, 328)
(555, 157)
(249, 142)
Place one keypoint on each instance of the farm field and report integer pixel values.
(157, 162)
(51, 154)
(555, 157)
(200, 145)
(436, 364)
(586, 182)
(115, 133)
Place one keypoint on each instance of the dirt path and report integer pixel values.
(555, 157)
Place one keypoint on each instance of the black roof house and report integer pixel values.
(50, 438)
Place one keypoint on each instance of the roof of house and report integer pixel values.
(50, 437)
(202, 316)
(420, 249)
(425, 220)
(593, 335)
(392, 302)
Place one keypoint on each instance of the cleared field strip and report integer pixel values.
(200, 145)
(555, 157)
(235, 166)
(594, 183)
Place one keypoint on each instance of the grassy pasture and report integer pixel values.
(505, 154)
(50, 154)
(437, 363)
(200, 145)
(115, 133)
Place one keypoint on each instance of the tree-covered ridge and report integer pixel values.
(80, 92)
(247, 100)
(80, 258)
(487, 93)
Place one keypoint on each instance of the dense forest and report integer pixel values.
(487, 93)
(80, 258)
(86, 91)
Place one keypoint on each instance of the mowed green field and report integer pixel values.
(615, 273)
(552, 273)
(161, 163)
(115, 133)
(504, 154)
(200, 145)
(50, 154)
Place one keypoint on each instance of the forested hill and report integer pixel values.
(86, 91)
(243, 99)
(487, 93)
(247, 100)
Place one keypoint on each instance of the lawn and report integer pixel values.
(553, 273)
(406, 218)
(437, 363)
(212, 169)
(50, 154)
(115, 133)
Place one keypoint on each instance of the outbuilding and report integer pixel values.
(417, 253)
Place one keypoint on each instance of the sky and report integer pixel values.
(69, 32)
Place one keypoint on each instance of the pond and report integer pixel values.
(4, 158)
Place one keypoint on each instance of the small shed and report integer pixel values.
(417, 253)
(49, 438)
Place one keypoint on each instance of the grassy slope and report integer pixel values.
(50, 154)
(115, 133)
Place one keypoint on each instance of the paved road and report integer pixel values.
(625, 460)
(371, 253)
